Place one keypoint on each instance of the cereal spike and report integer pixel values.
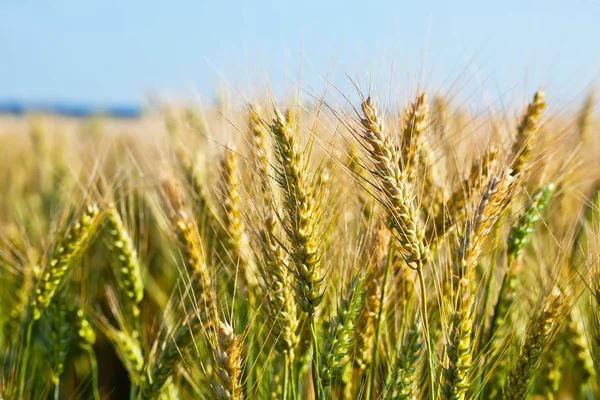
(540, 332)
(301, 215)
(129, 277)
(169, 355)
(235, 239)
(417, 116)
(62, 259)
(522, 230)
(365, 322)
(342, 331)
(404, 384)
(525, 131)
(228, 363)
(281, 307)
(403, 215)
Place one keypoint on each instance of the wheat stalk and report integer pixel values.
(459, 349)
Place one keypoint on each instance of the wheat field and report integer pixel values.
(314, 249)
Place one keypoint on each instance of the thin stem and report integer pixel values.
(249, 305)
(424, 317)
(133, 391)
(286, 372)
(24, 360)
(388, 266)
(94, 367)
(315, 359)
(57, 391)
(294, 373)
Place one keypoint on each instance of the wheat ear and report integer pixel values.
(578, 344)
(235, 240)
(453, 209)
(190, 245)
(526, 130)
(170, 353)
(415, 123)
(301, 215)
(62, 259)
(519, 236)
(127, 267)
(342, 331)
(228, 363)
(260, 152)
(281, 307)
(538, 336)
(584, 121)
(399, 198)
(404, 380)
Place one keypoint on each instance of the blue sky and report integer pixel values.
(119, 51)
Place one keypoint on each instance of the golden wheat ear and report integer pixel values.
(526, 131)
(235, 239)
(398, 197)
(301, 215)
(281, 304)
(228, 363)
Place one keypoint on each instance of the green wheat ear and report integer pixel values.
(519, 236)
(85, 333)
(404, 379)
(127, 267)
(170, 354)
(540, 332)
(342, 332)
(59, 335)
(521, 232)
(62, 259)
